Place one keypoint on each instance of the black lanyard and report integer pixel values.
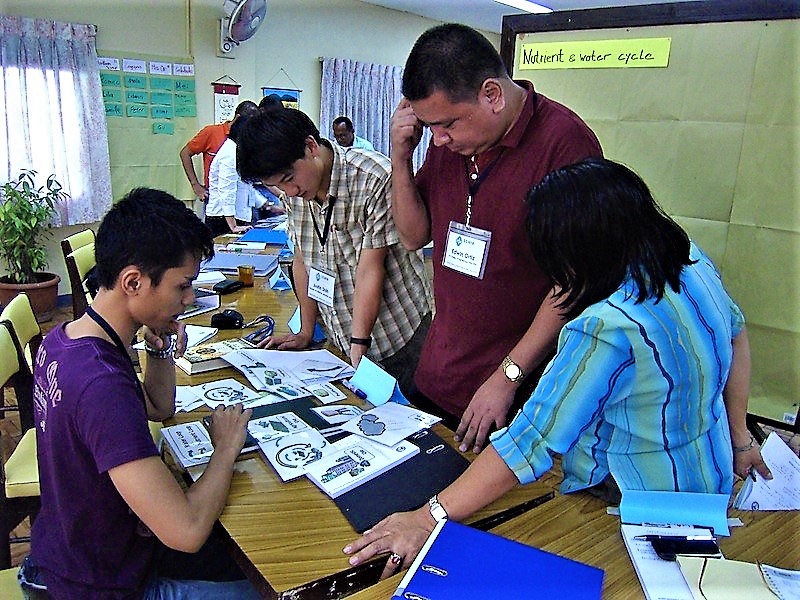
(323, 236)
(474, 184)
(117, 342)
(474, 181)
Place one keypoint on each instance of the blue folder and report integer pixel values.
(460, 562)
(269, 236)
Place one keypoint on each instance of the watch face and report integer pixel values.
(513, 371)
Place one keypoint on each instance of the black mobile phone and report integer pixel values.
(668, 549)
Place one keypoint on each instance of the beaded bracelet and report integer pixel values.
(165, 352)
(749, 446)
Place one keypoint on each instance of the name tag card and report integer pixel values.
(467, 249)
(320, 285)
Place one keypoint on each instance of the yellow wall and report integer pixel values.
(293, 38)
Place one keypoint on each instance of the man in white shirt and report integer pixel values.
(346, 137)
(230, 200)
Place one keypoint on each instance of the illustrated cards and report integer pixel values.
(390, 423)
(337, 413)
(290, 454)
(227, 392)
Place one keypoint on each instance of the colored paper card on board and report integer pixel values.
(136, 81)
(161, 83)
(184, 85)
(136, 110)
(161, 128)
(136, 97)
(110, 79)
(112, 95)
(161, 112)
(186, 111)
(163, 98)
(114, 109)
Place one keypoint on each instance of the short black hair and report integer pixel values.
(342, 119)
(453, 59)
(152, 230)
(270, 142)
(270, 102)
(246, 107)
(593, 224)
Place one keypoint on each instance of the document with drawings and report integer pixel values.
(782, 492)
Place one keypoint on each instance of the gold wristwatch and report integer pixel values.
(512, 370)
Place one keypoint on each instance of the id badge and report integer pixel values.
(320, 285)
(467, 249)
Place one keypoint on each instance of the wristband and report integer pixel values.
(361, 341)
(167, 351)
(750, 445)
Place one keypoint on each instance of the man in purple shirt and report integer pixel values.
(114, 523)
(493, 138)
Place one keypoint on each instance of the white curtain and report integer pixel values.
(366, 93)
(52, 104)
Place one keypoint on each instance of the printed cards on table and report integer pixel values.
(227, 392)
(390, 423)
(338, 413)
(355, 460)
(290, 454)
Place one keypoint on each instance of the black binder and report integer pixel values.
(407, 486)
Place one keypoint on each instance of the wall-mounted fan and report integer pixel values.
(242, 20)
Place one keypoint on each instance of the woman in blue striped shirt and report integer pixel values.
(650, 379)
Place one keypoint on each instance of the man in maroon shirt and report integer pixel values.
(493, 138)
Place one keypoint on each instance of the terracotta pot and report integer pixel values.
(43, 294)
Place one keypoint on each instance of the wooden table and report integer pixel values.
(288, 535)
(576, 526)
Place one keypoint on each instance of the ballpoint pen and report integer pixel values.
(675, 538)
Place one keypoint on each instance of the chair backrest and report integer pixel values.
(79, 262)
(76, 240)
(24, 325)
(12, 371)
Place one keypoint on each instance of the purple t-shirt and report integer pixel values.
(90, 417)
(478, 321)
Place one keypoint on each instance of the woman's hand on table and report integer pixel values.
(402, 535)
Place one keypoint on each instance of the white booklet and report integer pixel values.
(189, 443)
(390, 423)
(355, 460)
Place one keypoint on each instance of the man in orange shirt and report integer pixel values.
(207, 141)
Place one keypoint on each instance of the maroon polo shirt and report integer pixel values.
(478, 321)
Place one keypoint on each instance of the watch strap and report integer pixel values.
(437, 510)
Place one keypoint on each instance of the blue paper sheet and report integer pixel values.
(675, 508)
(377, 384)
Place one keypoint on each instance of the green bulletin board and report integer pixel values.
(716, 136)
(151, 112)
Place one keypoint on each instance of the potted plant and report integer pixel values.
(26, 218)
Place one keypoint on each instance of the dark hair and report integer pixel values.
(593, 224)
(152, 230)
(453, 59)
(270, 102)
(246, 107)
(346, 120)
(237, 125)
(270, 142)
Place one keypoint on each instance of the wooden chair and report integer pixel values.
(79, 262)
(19, 473)
(27, 336)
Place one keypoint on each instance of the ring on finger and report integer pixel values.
(395, 558)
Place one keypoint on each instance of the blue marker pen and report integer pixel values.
(346, 383)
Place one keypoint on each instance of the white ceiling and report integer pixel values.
(487, 14)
